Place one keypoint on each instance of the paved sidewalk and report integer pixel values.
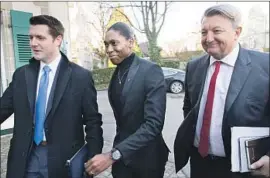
(169, 172)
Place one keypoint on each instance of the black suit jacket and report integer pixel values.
(73, 105)
(139, 126)
(247, 102)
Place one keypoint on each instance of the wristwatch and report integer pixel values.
(115, 154)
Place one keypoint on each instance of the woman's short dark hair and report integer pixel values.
(55, 26)
(123, 29)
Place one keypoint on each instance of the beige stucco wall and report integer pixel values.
(26, 7)
(61, 12)
(7, 41)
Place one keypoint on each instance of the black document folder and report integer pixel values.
(75, 164)
(256, 148)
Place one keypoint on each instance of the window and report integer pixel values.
(20, 29)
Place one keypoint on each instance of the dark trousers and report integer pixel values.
(38, 162)
(212, 167)
(119, 170)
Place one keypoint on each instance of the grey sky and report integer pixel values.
(184, 17)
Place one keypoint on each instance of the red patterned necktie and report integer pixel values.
(204, 136)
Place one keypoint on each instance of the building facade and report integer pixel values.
(257, 32)
(15, 49)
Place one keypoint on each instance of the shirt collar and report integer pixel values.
(53, 65)
(230, 59)
(126, 63)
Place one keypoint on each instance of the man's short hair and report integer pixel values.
(226, 10)
(55, 26)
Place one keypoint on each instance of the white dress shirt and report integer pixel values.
(53, 66)
(216, 146)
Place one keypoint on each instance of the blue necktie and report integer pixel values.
(40, 110)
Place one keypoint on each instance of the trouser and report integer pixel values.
(212, 167)
(38, 162)
(119, 170)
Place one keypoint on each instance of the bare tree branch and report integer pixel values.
(152, 19)
(147, 28)
(151, 8)
(146, 7)
(139, 30)
(145, 18)
(113, 7)
(163, 15)
(116, 8)
(138, 23)
(156, 4)
(94, 25)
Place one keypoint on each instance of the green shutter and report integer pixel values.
(20, 31)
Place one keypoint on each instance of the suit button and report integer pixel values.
(23, 154)
(46, 130)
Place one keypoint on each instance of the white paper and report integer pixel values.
(238, 132)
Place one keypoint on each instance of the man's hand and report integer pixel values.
(261, 167)
(98, 163)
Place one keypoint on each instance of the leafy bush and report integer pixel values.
(170, 64)
(102, 76)
(187, 55)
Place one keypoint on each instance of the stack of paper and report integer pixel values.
(238, 152)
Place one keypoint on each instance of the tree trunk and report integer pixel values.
(154, 52)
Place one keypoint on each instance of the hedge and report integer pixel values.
(102, 77)
(187, 55)
(170, 64)
(174, 64)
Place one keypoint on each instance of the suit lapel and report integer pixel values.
(61, 84)
(200, 74)
(31, 77)
(239, 76)
(240, 73)
(110, 90)
(50, 100)
(130, 78)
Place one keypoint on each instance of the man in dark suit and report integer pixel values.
(51, 99)
(137, 94)
(227, 87)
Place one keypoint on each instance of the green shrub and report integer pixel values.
(170, 64)
(187, 55)
(102, 76)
